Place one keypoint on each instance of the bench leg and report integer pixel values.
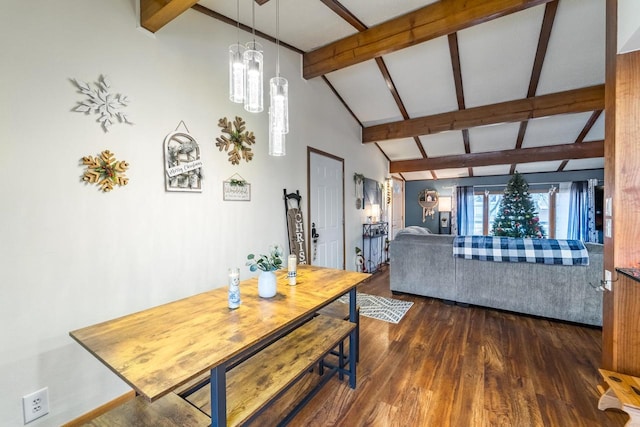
(353, 342)
(357, 349)
(218, 396)
(341, 361)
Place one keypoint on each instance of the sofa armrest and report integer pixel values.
(423, 265)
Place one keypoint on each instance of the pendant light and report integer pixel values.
(236, 65)
(279, 102)
(279, 88)
(253, 62)
(276, 139)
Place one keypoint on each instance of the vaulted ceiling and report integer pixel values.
(448, 88)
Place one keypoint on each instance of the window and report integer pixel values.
(542, 201)
(552, 207)
(562, 210)
(487, 202)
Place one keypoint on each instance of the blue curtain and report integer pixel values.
(591, 211)
(579, 211)
(464, 214)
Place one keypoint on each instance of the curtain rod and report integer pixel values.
(529, 183)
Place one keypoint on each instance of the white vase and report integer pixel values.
(267, 284)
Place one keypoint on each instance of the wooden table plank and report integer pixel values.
(164, 347)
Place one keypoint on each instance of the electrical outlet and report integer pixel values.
(35, 405)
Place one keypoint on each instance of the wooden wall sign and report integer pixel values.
(296, 234)
(183, 167)
(236, 188)
(295, 226)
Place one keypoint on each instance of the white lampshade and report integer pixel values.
(375, 211)
(253, 64)
(279, 108)
(236, 73)
(444, 204)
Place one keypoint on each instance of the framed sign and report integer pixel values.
(236, 189)
(182, 164)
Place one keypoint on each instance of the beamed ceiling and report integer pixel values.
(448, 88)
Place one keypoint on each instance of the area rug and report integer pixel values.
(381, 308)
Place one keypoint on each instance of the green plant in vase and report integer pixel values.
(271, 262)
(267, 264)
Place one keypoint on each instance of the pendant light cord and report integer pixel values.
(277, 38)
(238, 20)
(253, 22)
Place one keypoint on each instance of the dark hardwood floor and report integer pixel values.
(447, 365)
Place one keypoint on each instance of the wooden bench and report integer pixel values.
(258, 381)
(170, 411)
(623, 394)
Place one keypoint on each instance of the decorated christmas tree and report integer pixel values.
(517, 216)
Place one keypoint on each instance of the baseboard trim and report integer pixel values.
(95, 413)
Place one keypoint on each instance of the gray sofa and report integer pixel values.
(424, 265)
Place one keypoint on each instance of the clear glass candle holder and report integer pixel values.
(234, 288)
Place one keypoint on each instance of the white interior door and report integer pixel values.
(397, 207)
(326, 209)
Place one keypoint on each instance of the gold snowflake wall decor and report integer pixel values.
(105, 171)
(235, 142)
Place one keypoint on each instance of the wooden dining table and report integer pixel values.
(165, 347)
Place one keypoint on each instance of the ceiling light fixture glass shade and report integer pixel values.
(236, 73)
(279, 107)
(236, 65)
(277, 143)
(279, 102)
(253, 64)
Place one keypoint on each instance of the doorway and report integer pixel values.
(326, 209)
(397, 206)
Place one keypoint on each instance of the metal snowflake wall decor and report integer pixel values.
(235, 142)
(102, 102)
(105, 171)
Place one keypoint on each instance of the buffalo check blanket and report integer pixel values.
(513, 249)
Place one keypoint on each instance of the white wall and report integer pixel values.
(72, 256)
(628, 26)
